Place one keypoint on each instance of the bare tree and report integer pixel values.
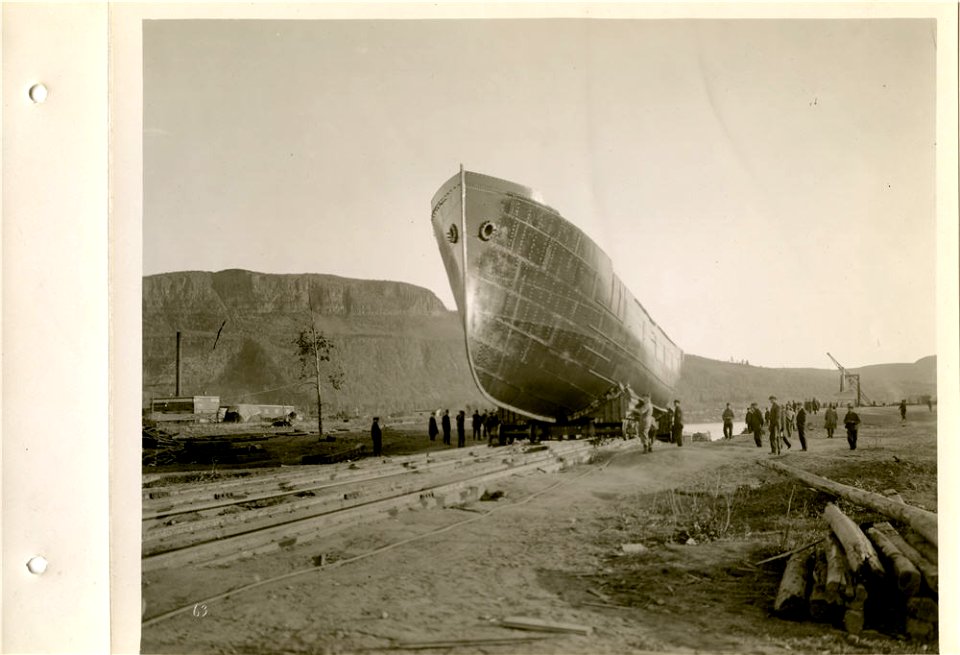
(314, 349)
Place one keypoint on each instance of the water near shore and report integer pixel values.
(714, 429)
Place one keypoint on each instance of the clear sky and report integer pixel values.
(765, 188)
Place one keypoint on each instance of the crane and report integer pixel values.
(850, 378)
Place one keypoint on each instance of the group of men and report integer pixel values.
(780, 422)
(640, 423)
(486, 426)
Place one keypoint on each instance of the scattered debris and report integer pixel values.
(354, 452)
(608, 606)
(599, 594)
(496, 495)
(464, 508)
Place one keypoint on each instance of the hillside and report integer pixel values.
(707, 384)
(399, 347)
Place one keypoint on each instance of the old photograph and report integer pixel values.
(584, 333)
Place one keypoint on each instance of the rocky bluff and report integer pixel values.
(399, 348)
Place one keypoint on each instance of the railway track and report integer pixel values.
(217, 522)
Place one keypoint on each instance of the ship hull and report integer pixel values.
(549, 327)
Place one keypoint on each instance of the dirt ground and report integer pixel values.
(287, 446)
(551, 549)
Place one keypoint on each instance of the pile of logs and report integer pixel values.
(870, 573)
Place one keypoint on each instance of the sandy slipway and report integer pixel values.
(551, 549)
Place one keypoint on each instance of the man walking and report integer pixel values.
(755, 424)
(677, 423)
(727, 422)
(903, 410)
(788, 420)
(445, 424)
(774, 422)
(851, 421)
(801, 426)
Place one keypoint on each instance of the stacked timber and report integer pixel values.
(875, 574)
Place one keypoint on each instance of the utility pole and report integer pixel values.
(177, 392)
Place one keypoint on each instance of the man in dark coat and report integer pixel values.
(677, 423)
(666, 424)
(727, 422)
(432, 429)
(903, 410)
(377, 437)
(755, 424)
(493, 429)
(801, 426)
(851, 421)
(445, 424)
(477, 422)
(461, 429)
(830, 421)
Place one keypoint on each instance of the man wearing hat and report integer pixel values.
(677, 423)
(755, 424)
(774, 426)
(727, 417)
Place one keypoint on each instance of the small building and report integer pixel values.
(184, 408)
(243, 412)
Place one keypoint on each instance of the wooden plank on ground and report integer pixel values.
(861, 555)
(927, 569)
(528, 623)
(791, 598)
(839, 585)
(907, 575)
